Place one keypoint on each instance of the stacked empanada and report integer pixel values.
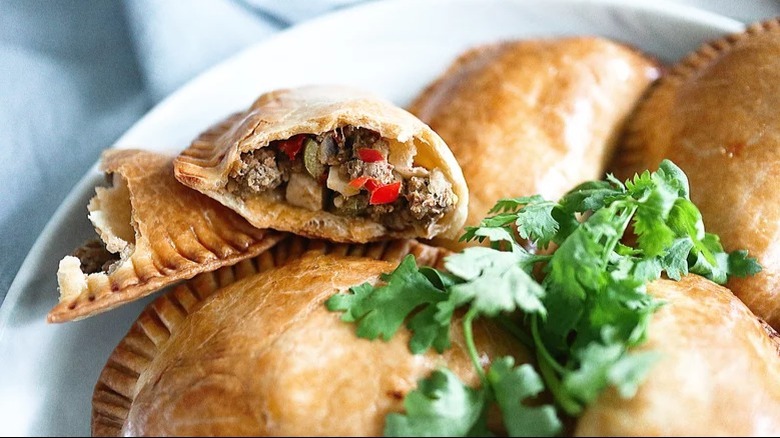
(535, 116)
(264, 357)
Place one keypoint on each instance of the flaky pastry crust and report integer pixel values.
(162, 231)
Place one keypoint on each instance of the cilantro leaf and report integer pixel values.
(440, 406)
(591, 196)
(567, 224)
(380, 311)
(620, 313)
(741, 265)
(576, 269)
(533, 216)
(710, 259)
(430, 329)
(654, 205)
(648, 269)
(348, 303)
(603, 365)
(675, 261)
(653, 233)
(439, 279)
(513, 205)
(494, 282)
(587, 382)
(685, 220)
(628, 372)
(512, 386)
(536, 223)
(675, 177)
(494, 226)
(493, 234)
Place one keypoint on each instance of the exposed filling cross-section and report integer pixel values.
(347, 171)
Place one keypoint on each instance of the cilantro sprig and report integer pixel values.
(580, 308)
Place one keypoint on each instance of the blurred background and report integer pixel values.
(75, 74)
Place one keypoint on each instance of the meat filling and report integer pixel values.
(346, 172)
(429, 197)
(94, 257)
(259, 171)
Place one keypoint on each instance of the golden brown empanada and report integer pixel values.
(535, 116)
(154, 232)
(330, 162)
(718, 372)
(263, 356)
(715, 115)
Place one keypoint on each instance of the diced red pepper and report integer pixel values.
(359, 182)
(372, 184)
(370, 155)
(385, 194)
(292, 146)
(380, 193)
(366, 182)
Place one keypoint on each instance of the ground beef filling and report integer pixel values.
(259, 171)
(94, 257)
(325, 171)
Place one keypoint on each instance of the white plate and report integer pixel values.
(47, 372)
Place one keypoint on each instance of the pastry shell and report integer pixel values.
(715, 115)
(165, 360)
(534, 116)
(281, 114)
(718, 372)
(163, 231)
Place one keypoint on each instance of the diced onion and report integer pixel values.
(338, 184)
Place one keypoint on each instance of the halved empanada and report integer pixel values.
(718, 372)
(330, 162)
(154, 231)
(716, 116)
(534, 116)
(252, 350)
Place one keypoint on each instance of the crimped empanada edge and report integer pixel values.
(104, 294)
(149, 266)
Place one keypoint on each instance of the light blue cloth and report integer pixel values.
(74, 75)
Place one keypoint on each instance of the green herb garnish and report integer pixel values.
(580, 320)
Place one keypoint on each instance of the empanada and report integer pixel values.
(263, 356)
(154, 231)
(534, 116)
(330, 162)
(716, 116)
(718, 372)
